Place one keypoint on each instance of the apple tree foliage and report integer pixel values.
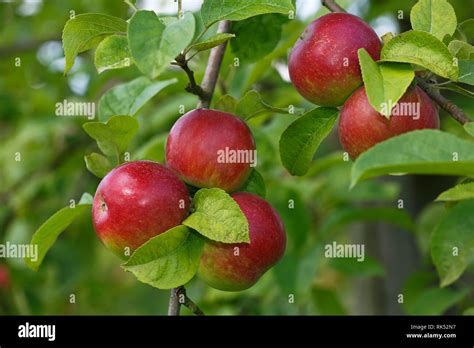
(437, 46)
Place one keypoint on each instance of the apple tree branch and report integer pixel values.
(447, 105)
(205, 93)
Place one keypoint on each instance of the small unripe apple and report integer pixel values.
(210, 148)
(4, 277)
(323, 65)
(236, 267)
(135, 202)
(361, 126)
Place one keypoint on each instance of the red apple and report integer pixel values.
(135, 202)
(361, 127)
(323, 65)
(4, 277)
(236, 267)
(209, 148)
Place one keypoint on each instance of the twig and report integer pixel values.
(213, 66)
(178, 297)
(174, 305)
(332, 6)
(181, 291)
(206, 90)
(444, 103)
(192, 86)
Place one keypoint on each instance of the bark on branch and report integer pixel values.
(213, 66)
(444, 103)
(179, 297)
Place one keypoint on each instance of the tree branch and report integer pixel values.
(205, 96)
(213, 66)
(188, 302)
(444, 103)
(178, 297)
(192, 86)
(174, 305)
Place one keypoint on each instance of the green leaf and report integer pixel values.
(86, 198)
(301, 139)
(255, 184)
(344, 216)
(469, 128)
(252, 105)
(421, 297)
(257, 36)
(426, 221)
(384, 84)
(98, 164)
(417, 152)
(466, 71)
(414, 286)
(128, 98)
(435, 17)
(452, 242)
(112, 53)
(154, 45)
(461, 49)
(352, 267)
(457, 193)
(50, 230)
(458, 89)
(435, 301)
(114, 136)
(211, 42)
(237, 10)
(85, 31)
(218, 217)
(421, 48)
(226, 103)
(467, 29)
(168, 260)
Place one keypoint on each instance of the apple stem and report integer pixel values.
(180, 8)
(178, 297)
(447, 105)
(332, 6)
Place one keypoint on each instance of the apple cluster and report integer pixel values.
(324, 68)
(142, 199)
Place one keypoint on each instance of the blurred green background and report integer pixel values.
(79, 276)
